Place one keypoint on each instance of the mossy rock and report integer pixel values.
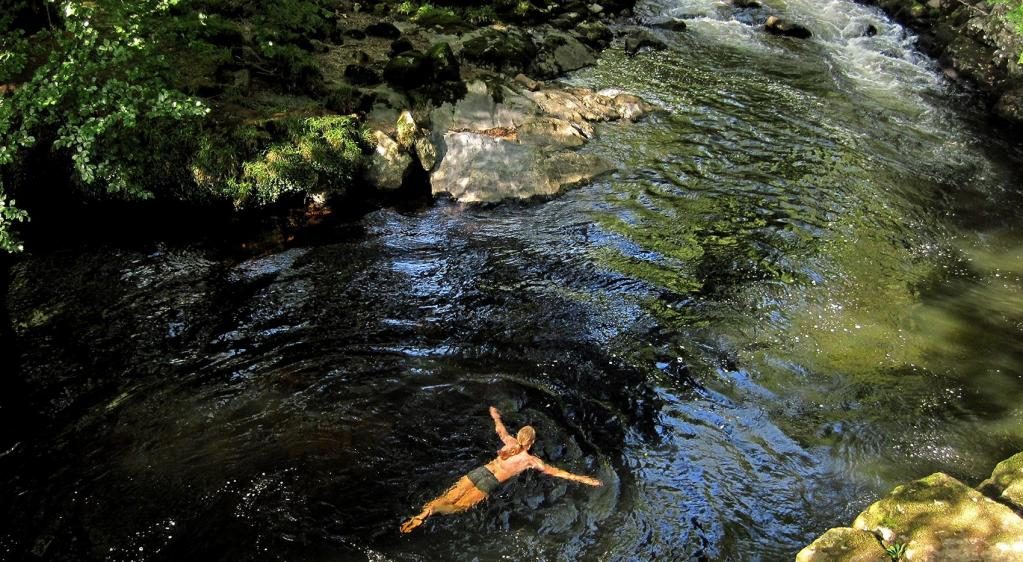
(444, 18)
(594, 34)
(844, 545)
(1006, 482)
(401, 45)
(509, 49)
(383, 29)
(408, 70)
(361, 75)
(940, 518)
(443, 62)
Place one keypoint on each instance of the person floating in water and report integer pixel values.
(473, 488)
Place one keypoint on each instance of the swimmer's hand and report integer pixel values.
(589, 481)
(494, 413)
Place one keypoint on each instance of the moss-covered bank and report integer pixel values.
(934, 519)
(243, 102)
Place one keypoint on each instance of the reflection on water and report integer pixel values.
(802, 287)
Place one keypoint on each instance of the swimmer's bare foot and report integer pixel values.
(411, 524)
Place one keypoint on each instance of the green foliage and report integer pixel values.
(895, 551)
(100, 96)
(311, 154)
(110, 89)
(481, 15)
(430, 15)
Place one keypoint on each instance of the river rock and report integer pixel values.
(478, 111)
(939, 518)
(779, 26)
(972, 60)
(673, 24)
(408, 70)
(567, 20)
(1006, 482)
(400, 45)
(479, 168)
(361, 75)
(427, 152)
(640, 38)
(383, 29)
(594, 33)
(406, 129)
(389, 164)
(529, 83)
(510, 49)
(581, 105)
(844, 545)
(550, 131)
(560, 53)
(443, 62)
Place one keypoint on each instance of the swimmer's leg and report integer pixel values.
(452, 501)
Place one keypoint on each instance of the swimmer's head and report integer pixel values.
(526, 437)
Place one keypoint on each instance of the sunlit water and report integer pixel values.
(801, 288)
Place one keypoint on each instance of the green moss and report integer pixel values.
(429, 15)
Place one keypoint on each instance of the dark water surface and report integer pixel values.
(802, 287)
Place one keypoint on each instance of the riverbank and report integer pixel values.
(975, 45)
(245, 106)
(934, 519)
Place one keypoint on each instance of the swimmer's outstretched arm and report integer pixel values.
(558, 473)
(499, 427)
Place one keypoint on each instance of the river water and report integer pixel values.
(801, 287)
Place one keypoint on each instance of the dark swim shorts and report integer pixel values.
(484, 480)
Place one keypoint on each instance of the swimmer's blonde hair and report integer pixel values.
(526, 437)
(523, 441)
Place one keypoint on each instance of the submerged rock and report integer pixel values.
(778, 26)
(673, 24)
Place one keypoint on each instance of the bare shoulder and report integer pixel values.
(536, 462)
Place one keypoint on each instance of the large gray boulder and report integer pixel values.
(479, 168)
(479, 111)
(561, 53)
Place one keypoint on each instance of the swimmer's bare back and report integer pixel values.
(512, 460)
